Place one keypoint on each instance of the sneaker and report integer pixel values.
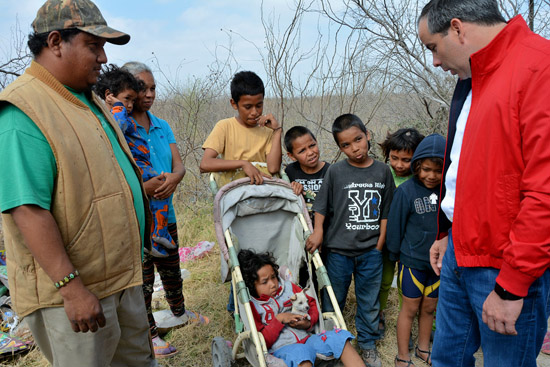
(370, 357)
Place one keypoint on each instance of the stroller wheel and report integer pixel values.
(221, 353)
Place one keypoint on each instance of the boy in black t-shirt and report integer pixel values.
(355, 200)
(307, 171)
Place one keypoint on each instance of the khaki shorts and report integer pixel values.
(124, 340)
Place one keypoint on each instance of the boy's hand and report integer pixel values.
(303, 323)
(297, 187)
(268, 121)
(314, 241)
(110, 99)
(287, 317)
(256, 176)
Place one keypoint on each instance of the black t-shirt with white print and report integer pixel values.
(311, 182)
(354, 200)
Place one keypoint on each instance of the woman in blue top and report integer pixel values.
(166, 160)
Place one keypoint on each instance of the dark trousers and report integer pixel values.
(170, 274)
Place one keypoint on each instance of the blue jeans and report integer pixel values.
(367, 272)
(231, 300)
(460, 330)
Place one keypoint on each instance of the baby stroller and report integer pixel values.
(268, 217)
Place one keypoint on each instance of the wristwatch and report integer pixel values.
(504, 294)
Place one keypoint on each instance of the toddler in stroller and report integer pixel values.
(269, 218)
(288, 335)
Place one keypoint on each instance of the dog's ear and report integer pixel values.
(293, 298)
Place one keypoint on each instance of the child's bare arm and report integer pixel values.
(274, 157)
(316, 239)
(211, 163)
(303, 323)
(287, 318)
(382, 238)
(110, 100)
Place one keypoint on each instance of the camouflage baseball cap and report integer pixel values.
(80, 14)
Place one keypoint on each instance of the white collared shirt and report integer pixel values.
(448, 203)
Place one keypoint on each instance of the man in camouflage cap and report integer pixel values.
(80, 14)
(73, 207)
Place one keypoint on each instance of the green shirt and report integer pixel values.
(28, 168)
(398, 180)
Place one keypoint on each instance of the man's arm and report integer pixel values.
(527, 255)
(42, 237)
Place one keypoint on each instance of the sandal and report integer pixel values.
(428, 359)
(195, 318)
(409, 362)
(164, 350)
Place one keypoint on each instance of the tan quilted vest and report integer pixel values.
(92, 202)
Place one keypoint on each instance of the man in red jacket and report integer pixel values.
(494, 223)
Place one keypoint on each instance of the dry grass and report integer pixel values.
(204, 293)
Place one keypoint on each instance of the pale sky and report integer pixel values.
(184, 35)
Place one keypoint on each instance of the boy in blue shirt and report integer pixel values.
(412, 229)
(355, 200)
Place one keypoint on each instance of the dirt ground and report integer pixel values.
(204, 293)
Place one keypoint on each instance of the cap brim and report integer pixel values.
(111, 35)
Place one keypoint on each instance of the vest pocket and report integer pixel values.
(107, 242)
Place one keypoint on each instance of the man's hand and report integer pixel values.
(437, 251)
(43, 239)
(82, 307)
(256, 176)
(297, 187)
(314, 241)
(501, 315)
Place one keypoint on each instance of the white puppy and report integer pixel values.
(300, 305)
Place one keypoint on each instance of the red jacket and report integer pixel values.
(502, 210)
